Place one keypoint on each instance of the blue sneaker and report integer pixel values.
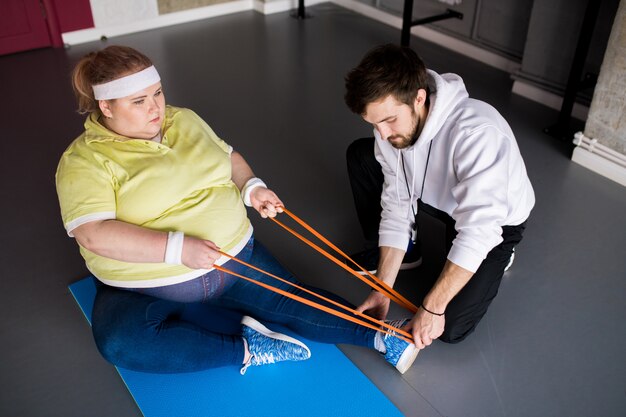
(399, 353)
(267, 347)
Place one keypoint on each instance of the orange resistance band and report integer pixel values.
(377, 284)
(379, 323)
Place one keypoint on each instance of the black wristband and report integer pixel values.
(433, 313)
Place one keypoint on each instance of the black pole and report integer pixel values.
(407, 17)
(301, 14)
(561, 129)
(300, 11)
(408, 22)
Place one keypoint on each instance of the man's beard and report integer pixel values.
(406, 141)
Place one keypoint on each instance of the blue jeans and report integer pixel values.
(194, 325)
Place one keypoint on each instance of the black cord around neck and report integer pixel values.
(406, 180)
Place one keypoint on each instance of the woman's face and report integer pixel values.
(138, 116)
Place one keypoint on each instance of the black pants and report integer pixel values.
(471, 303)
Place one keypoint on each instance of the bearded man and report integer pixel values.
(438, 152)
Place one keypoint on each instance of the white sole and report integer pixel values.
(411, 265)
(510, 264)
(407, 358)
(253, 324)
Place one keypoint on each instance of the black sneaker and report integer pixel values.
(368, 259)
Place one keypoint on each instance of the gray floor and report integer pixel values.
(553, 341)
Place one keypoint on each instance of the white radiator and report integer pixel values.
(599, 158)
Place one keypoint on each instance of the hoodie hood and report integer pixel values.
(447, 91)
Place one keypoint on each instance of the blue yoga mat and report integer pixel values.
(328, 384)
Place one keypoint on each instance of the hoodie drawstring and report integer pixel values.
(411, 190)
(397, 176)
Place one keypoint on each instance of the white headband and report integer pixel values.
(126, 86)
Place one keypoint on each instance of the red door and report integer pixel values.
(22, 26)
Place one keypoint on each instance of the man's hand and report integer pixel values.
(425, 328)
(375, 305)
(198, 253)
(266, 202)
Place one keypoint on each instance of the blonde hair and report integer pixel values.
(103, 66)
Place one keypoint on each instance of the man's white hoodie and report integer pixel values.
(475, 174)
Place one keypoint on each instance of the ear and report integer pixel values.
(420, 98)
(105, 108)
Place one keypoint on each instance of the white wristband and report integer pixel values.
(248, 187)
(174, 248)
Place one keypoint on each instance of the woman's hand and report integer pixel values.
(266, 202)
(199, 253)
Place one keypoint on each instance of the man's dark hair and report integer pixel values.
(386, 69)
